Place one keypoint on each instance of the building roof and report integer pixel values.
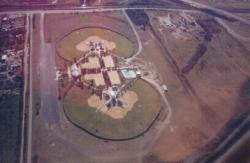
(75, 70)
(108, 61)
(114, 77)
(4, 57)
(128, 73)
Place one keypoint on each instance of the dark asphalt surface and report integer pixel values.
(48, 86)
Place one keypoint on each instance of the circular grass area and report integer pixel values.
(137, 121)
(66, 47)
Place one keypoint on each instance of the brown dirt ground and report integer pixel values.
(239, 28)
(83, 45)
(230, 4)
(112, 20)
(193, 125)
(129, 97)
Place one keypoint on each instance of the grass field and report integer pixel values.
(67, 46)
(136, 121)
(10, 119)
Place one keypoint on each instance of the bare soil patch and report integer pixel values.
(129, 98)
(200, 114)
(143, 105)
(84, 47)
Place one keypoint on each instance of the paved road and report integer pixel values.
(96, 9)
(149, 80)
(26, 73)
(117, 8)
(162, 93)
(167, 107)
(137, 37)
(230, 142)
(29, 136)
(231, 31)
(233, 150)
(216, 10)
(49, 101)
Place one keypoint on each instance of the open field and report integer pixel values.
(67, 46)
(213, 95)
(227, 4)
(136, 121)
(240, 29)
(10, 128)
(114, 21)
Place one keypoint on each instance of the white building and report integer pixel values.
(75, 70)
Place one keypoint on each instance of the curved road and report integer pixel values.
(231, 31)
(216, 10)
(137, 37)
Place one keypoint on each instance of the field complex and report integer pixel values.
(89, 67)
(110, 87)
(99, 75)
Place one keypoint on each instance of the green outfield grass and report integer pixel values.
(67, 46)
(136, 121)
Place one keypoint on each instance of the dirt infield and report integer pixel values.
(93, 63)
(137, 120)
(130, 98)
(98, 79)
(71, 46)
(84, 47)
(114, 77)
